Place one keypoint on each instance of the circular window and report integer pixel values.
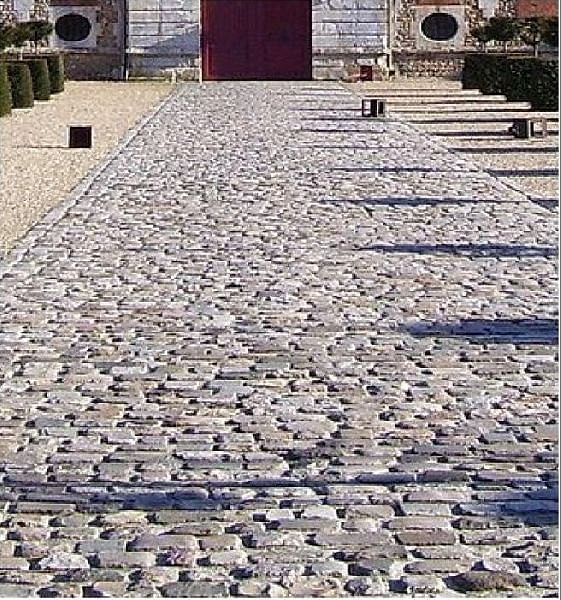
(73, 28)
(439, 27)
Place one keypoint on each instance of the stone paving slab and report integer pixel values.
(262, 357)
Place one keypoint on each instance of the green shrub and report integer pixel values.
(531, 33)
(550, 31)
(5, 92)
(19, 34)
(40, 76)
(520, 79)
(39, 31)
(503, 29)
(482, 35)
(6, 32)
(21, 84)
(55, 62)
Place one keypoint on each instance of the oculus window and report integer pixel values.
(73, 27)
(439, 27)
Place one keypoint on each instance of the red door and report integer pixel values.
(256, 39)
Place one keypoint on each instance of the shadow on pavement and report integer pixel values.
(503, 331)
(474, 250)
(534, 503)
(523, 172)
(412, 201)
(505, 149)
(388, 169)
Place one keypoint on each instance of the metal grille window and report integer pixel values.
(73, 28)
(439, 27)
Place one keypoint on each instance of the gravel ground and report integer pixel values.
(530, 166)
(36, 140)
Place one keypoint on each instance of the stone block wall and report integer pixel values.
(6, 12)
(346, 33)
(408, 16)
(163, 34)
(446, 65)
(417, 55)
(93, 65)
(23, 10)
(101, 53)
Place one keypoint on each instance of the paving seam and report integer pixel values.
(16, 254)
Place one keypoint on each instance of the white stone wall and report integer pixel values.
(165, 33)
(343, 26)
(163, 26)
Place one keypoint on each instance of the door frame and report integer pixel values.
(204, 56)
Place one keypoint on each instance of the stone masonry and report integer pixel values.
(165, 34)
(278, 349)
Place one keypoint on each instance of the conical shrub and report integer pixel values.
(21, 85)
(55, 63)
(40, 77)
(5, 92)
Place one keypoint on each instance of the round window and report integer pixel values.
(439, 27)
(73, 28)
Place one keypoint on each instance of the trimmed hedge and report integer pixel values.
(55, 63)
(21, 84)
(531, 80)
(39, 70)
(5, 92)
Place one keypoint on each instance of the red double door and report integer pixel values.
(256, 39)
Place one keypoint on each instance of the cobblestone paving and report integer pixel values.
(277, 349)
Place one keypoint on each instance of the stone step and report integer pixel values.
(448, 99)
(486, 135)
(413, 83)
(502, 116)
(461, 108)
(421, 94)
(510, 147)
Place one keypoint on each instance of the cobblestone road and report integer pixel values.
(277, 349)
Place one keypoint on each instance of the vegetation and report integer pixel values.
(39, 31)
(503, 29)
(18, 34)
(550, 31)
(529, 79)
(40, 77)
(5, 36)
(55, 63)
(5, 92)
(531, 32)
(483, 35)
(21, 85)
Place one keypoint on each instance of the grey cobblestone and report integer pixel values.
(275, 349)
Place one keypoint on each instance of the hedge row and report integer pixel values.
(5, 92)
(531, 80)
(21, 84)
(23, 81)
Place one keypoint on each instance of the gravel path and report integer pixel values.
(37, 170)
(277, 349)
(476, 126)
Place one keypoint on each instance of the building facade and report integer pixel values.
(265, 39)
